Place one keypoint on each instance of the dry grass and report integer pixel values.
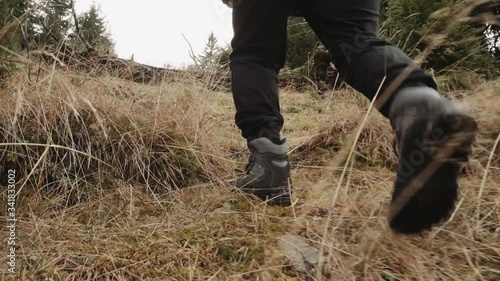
(130, 183)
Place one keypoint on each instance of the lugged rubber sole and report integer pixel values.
(426, 187)
(277, 196)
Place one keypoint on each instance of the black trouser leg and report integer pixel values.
(259, 48)
(349, 29)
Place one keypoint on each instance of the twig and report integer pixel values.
(191, 52)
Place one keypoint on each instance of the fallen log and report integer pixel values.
(319, 73)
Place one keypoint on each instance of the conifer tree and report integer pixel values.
(91, 29)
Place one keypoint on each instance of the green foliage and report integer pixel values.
(213, 56)
(225, 53)
(211, 52)
(411, 25)
(301, 42)
(92, 31)
(54, 23)
(404, 21)
(10, 10)
(50, 23)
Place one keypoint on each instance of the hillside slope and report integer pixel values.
(129, 182)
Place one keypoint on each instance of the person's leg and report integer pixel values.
(259, 49)
(434, 135)
(349, 29)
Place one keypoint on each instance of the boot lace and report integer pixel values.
(250, 164)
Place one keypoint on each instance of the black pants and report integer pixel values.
(349, 29)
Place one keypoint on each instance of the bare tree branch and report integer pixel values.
(77, 27)
(191, 52)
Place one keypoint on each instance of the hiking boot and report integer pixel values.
(434, 137)
(268, 172)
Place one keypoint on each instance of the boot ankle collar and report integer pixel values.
(266, 145)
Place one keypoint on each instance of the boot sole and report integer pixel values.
(276, 196)
(428, 196)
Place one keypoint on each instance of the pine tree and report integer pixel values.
(91, 29)
(10, 10)
(211, 53)
(51, 23)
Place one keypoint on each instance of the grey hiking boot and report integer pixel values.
(434, 136)
(268, 172)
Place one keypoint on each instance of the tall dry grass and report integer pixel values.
(122, 181)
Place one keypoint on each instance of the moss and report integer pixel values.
(243, 204)
(293, 109)
(241, 251)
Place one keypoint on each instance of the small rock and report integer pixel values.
(301, 254)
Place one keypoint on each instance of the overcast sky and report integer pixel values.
(152, 30)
